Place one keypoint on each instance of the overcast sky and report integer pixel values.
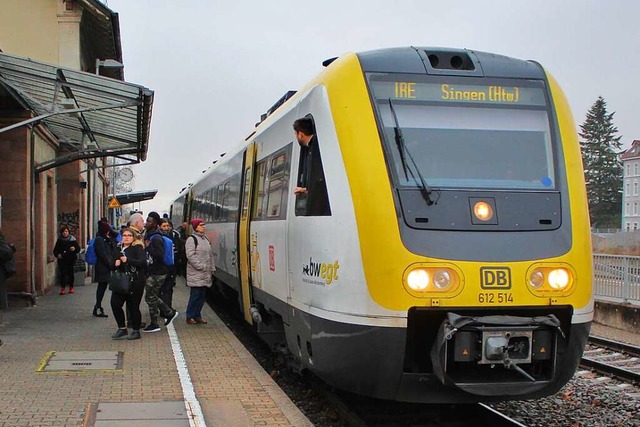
(215, 66)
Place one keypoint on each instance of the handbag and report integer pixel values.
(120, 283)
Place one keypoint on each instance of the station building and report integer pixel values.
(66, 115)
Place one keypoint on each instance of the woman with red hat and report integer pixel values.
(200, 268)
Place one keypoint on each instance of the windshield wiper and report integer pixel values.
(425, 190)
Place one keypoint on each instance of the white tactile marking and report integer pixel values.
(196, 418)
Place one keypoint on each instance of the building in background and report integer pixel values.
(630, 182)
(65, 112)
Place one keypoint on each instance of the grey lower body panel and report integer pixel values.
(372, 361)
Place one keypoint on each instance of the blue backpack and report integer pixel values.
(168, 251)
(90, 256)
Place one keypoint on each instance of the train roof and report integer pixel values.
(446, 61)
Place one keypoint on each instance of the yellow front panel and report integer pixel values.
(385, 258)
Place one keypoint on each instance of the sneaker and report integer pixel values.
(71, 291)
(63, 292)
(201, 321)
(134, 335)
(191, 321)
(152, 328)
(169, 319)
(120, 334)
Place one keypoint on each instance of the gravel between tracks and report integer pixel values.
(586, 401)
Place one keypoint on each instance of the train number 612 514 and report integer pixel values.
(495, 297)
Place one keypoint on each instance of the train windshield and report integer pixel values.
(457, 134)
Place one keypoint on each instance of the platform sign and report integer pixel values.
(113, 203)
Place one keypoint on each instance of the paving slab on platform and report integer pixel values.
(80, 361)
(169, 414)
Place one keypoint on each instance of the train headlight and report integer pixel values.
(536, 279)
(483, 211)
(547, 280)
(430, 280)
(442, 279)
(558, 278)
(418, 280)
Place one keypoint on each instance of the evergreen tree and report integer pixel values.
(601, 150)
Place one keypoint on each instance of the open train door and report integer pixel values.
(244, 242)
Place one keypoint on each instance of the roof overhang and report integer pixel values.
(89, 116)
(135, 197)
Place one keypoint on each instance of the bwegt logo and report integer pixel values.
(327, 272)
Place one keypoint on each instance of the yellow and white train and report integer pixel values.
(453, 261)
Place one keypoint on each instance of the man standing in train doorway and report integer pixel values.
(311, 188)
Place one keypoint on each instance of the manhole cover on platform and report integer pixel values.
(55, 361)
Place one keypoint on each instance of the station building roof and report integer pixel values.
(90, 116)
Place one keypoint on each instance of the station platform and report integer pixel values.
(60, 367)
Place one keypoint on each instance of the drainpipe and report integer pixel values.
(32, 245)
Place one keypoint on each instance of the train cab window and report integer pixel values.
(315, 200)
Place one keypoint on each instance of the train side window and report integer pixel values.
(218, 208)
(258, 206)
(225, 202)
(209, 204)
(214, 203)
(311, 176)
(278, 184)
(233, 198)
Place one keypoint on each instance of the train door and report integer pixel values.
(244, 241)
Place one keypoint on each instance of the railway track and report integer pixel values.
(358, 411)
(613, 358)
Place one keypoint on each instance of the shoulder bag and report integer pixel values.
(120, 282)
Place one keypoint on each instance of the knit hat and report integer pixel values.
(103, 227)
(155, 216)
(196, 222)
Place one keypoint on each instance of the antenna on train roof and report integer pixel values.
(328, 62)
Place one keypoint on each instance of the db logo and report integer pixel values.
(495, 278)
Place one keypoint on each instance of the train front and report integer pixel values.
(489, 228)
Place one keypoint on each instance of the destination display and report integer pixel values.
(448, 92)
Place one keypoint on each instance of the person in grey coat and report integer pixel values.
(200, 268)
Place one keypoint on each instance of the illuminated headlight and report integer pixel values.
(483, 211)
(536, 279)
(551, 280)
(418, 280)
(426, 280)
(558, 278)
(442, 279)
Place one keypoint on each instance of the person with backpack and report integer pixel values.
(66, 251)
(159, 258)
(166, 290)
(103, 246)
(200, 269)
(7, 269)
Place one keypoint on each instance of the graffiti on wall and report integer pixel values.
(71, 220)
